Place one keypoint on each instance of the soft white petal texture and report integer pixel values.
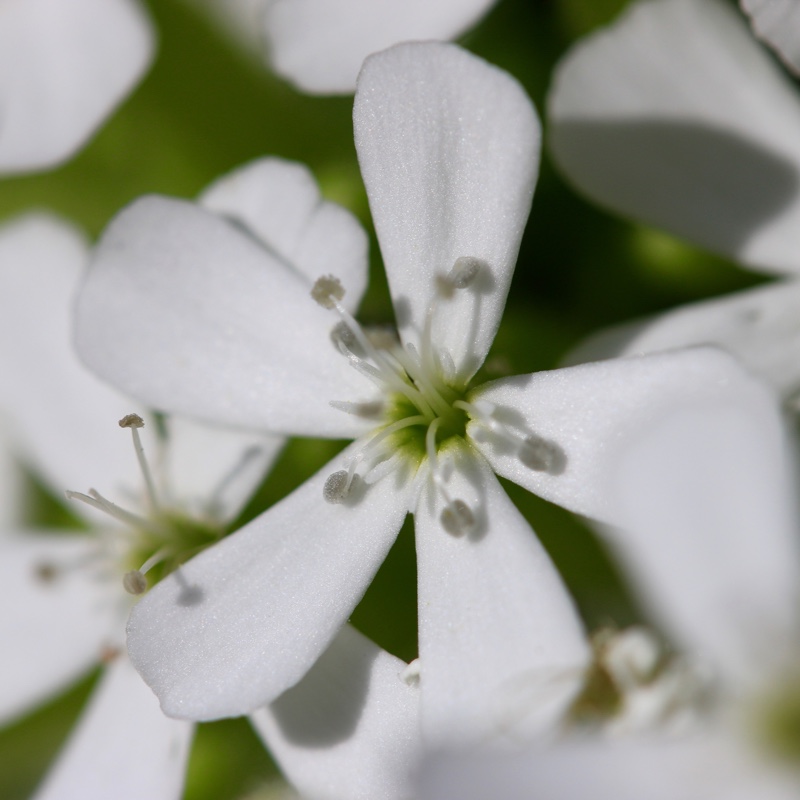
(279, 202)
(709, 528)
(590, 414)
(12, 485)
(64, 66)
(350, 728)
(123, 747)
(51, 631)
(449, 151)
(500, 642)
(191, 315)
(676, 116)
(212, 472)
(706, 767)
(777, 22)
(242, 622)
(319, 45)
(758, 326)
(58, 416)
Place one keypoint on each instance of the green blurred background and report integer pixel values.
(206, 107)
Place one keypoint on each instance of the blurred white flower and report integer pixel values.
(675, 116)
(181, 309)
(711, 544)
(64, 606)
(777, 22)
(64, 66)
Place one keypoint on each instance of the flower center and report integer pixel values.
(149, 546)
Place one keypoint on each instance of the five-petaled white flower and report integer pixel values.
(184, 311)
(64, 66)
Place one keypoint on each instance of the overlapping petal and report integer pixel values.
(496, 624)
(68, 436)
(759, 326)
(242, 622)
(320, 44)
(587, 416)
(449, 152)
(777, 22)
(280, 203)
(703, 767)
(123, 747)
(63, 68)
(350, 728)
(674, 115)
(55, 619)
(709, 527)
(187, 313)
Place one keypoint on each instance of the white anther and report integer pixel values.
(538, 454)
(457, 518)
(411, 674)
(327, 291)
(631, 657)
(134, 582)
(338, 487)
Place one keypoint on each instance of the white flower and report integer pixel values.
(674, 115)
(181, 309)
(319, 45)
(777, 22)
(63, 602)
(712, 547)
(64, 66)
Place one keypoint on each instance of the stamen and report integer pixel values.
(344, 339)
(134, 582)
(462, 275)
(369, 409)
(328, 291)
(134, 422)
(411, 674)
(457, 517)
(338, 486)
(96, 500)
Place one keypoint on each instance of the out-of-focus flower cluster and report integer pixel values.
(247, 553)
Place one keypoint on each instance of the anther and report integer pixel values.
(457, 518)
(344, 339)
(539, 454)
(338, 487)
(327, 291)
(134, 582)
(131, 421)
(368, 409)
(46, 571)
(411, 674)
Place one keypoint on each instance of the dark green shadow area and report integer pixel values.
(28, 747)
(584, 563)
(227, 761)
(388, 611)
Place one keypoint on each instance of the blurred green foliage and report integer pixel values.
(206, 108)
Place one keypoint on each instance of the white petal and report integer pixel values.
(589, 414)
(449, 150)
(12, 485)
(319, 45)
(777, 22)
(279, 202)
(242, 622)
(708, 767)
(57, 415)
(51, 631)
(350, 728)
(759, 326)
(63, 68)
(675, 116)
(191, 315)
(124, 747)
(709, 528)
(501, 645)
(212, 472)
